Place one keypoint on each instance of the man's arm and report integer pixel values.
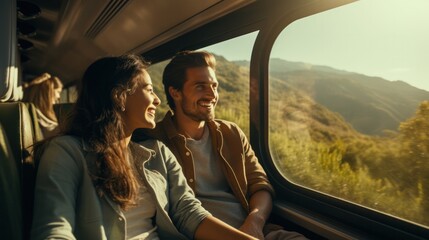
(260, 205)
(259, 190)
(213, 228)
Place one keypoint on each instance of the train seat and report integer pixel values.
(10, 192)
(17, 123)
(37, 131)
(62, 111)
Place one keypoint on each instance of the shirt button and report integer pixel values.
(191, 180)
(188, 153)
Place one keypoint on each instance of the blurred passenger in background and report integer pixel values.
(44, 91)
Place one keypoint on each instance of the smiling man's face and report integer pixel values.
(199, 95)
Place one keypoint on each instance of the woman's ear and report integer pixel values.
(119, 99)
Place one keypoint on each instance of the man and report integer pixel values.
(216, 157)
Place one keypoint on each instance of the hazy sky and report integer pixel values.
(386, 38)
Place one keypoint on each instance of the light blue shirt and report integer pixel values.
(68, 207)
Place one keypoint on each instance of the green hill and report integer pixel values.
(371, 105)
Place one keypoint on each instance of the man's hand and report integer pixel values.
(253, 225)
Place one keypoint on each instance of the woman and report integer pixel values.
(93, 183)
(44, 91)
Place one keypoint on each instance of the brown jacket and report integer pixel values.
(238, 161)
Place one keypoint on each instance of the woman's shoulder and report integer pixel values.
(66, 142)
(62, 152)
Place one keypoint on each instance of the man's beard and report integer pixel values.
(199, 116)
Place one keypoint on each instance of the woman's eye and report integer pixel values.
(149, 89)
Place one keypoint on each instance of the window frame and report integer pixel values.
(327, 215)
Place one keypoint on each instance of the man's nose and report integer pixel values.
(212, 91)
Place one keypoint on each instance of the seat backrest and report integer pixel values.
(62, 111)
(10, 192)
(18, 125)
(38, 134)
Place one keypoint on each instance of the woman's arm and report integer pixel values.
(55, 194)
(213, 228)
(186, 210)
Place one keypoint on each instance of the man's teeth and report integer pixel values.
(206, 104)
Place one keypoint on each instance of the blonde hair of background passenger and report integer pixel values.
(41, 92)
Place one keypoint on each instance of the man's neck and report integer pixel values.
(189, 127)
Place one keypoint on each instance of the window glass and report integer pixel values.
(72, 94)
(232, 72)
(155, 72)
(64, 95)
(349, 105)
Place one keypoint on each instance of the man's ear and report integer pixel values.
(174, 93)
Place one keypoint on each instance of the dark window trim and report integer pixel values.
(336, 214)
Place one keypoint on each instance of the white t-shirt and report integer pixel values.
(211, 186)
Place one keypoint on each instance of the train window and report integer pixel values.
(155, 71)
(69, 95)
(64, 95)
(72, 94)
(348, 105)
(232, 71)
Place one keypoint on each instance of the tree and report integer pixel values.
(415, 136)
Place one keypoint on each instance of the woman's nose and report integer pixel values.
(156, 100)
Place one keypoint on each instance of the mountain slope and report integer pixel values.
(371, 104)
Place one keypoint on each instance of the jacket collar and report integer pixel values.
(169, 126)
(141, 153)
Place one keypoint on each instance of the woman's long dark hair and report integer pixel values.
(96, 119)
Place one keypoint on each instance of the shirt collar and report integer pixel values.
(140, 152)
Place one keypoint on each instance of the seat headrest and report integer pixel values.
(17, 123)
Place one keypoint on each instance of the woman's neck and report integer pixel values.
(127, 140)
(128, 134)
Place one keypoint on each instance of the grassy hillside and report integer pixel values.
(371, 105)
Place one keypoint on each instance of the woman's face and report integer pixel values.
(57, 95)
(140, 106)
